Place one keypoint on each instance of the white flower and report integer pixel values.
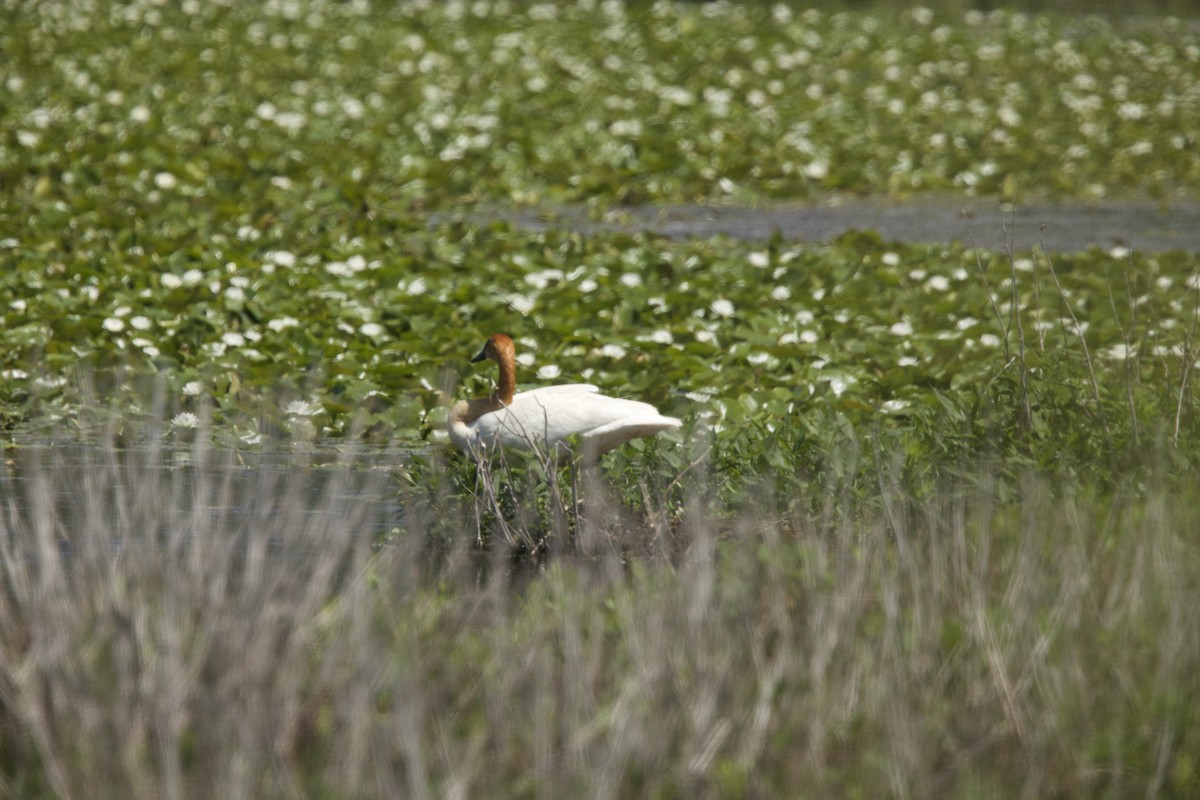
(548, 372)
(966, 322)
(165, 180)
(140, 323)
(759, 259)
(1009, 116)
(891, 259)
(520, 303)
(192, 277)
(185, 419)
(938, 283)
(281, 258)
(612, 351)
(722, 307)
(372, 329)
(989, 340)
(906, 361)
(902, 328)
(662, 336)
(171, 281)
(1119, 252)
(540, 280)
(677, 95)
(631, 279)
(781, 293)
(838, 383)
(1131, 111)
(809, 337)
(282, 323)
(192, 388)
(233, 339)
(291, 121)
(114, 324)
(140, 114)
(891, 406)
(631, 128)
(301, 408)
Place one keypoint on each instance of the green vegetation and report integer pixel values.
(163, 122)
(927, 530)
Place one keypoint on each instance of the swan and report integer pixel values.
(547, 416)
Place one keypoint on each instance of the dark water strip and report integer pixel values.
(1140, 226)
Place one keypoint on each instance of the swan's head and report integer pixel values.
(499, 348)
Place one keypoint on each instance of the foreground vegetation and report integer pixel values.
(928, 528)
(214, 629)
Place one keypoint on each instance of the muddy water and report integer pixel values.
(1069, 227)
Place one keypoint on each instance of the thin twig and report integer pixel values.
(1127, 343)
(991, 296)
(1015, 318)
(1186, 370)
(1087, 356)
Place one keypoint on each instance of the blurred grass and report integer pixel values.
(212, 630)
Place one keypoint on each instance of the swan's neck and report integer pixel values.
(508, 381)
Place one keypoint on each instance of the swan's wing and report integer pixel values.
(583, 388)
(614, 434)
(547, 416)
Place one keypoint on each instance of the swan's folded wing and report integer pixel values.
(618, 432)
(547, 416)
(561, 388)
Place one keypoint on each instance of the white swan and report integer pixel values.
(544, 417)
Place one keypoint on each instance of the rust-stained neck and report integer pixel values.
(499, 348)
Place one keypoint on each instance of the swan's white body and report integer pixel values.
(540, 419)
